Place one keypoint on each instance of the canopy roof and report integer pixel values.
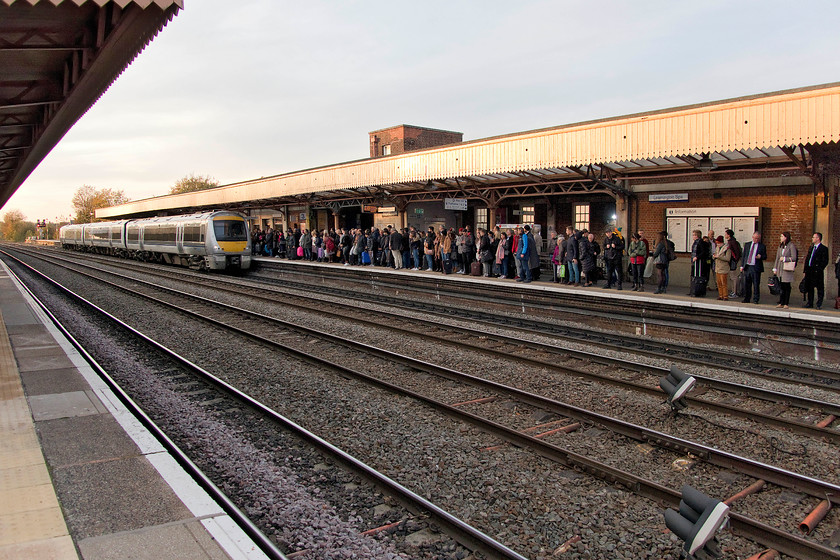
(760, 133)
(56, 59)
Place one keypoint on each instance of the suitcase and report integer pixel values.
(475, 269)
(698, 286)
(447, 267)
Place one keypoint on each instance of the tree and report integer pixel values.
(87, 199)
(192, 183)
(15, 227)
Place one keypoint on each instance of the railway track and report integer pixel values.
(549, 356)
(208, 390)
(764, 473)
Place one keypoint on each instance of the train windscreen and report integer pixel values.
(229, 230)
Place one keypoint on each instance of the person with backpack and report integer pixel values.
(662, 259)
(613, 252)
(700, 254)
(735, 252)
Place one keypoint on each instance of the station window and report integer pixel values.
(386, 150)
(481, 218)
(581, 217)
(527, 214)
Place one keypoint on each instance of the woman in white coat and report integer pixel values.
(784, 266)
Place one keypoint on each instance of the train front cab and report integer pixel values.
(229, 245)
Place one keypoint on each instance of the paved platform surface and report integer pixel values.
(676, 295)
(79, 476)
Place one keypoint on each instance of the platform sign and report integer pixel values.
(678, 232)
(720, 225)
(669, 197)
(743, 229)
(455, 204)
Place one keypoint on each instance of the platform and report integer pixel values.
(676, 296)
(80, 477)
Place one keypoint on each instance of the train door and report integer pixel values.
(179, 237)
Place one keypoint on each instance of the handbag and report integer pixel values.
(561, 270)
(789, 265)
(739, 284)
(774, 285)
(648, 268)
(300, 251)
(803, 286)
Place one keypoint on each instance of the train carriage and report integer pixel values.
(210, 240)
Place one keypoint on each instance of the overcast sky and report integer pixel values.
(240, 90)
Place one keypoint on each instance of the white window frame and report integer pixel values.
(386, 150)
(482, 218)
(580, 212)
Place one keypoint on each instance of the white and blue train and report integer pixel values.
(207, 241)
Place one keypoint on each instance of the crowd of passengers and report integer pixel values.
(577, 257)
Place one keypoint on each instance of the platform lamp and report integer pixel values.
(706, 164)
(696, 523)
(676, 386)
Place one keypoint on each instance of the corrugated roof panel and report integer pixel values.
(786, 118)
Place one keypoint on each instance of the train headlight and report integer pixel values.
(216, 248)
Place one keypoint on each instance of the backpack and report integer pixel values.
(672, 255)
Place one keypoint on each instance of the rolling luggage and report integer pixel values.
(447, 267)
(475, 269)
(698, 286)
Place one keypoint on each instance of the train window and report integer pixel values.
(229, 230)
(192, 234)
(116, 234)
(133, 234)
(160, 235)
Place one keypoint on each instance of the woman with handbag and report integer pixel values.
(660, 257)
(784, 266)
(721, 257)
(638, 255)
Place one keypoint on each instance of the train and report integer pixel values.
(204, 241)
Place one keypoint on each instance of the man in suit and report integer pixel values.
(752, 263)
(815, 264)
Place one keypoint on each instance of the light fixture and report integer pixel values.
(706, 164)
(676, 385)
(697, 523)
(430, 186)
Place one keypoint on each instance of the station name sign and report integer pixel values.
(669, 197)
(455, 204)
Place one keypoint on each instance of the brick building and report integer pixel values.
(406, 138)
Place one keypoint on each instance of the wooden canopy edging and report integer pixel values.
(103, 38)
(790, 118)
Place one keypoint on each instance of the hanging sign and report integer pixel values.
(455, 204)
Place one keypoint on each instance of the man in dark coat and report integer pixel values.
(613, 251)
(815, 264)
(752, 263)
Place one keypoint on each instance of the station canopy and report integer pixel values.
(768, 135)
(57, 57)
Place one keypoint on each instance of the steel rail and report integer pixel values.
(742, 525)
(761, 366)
(464, 533)
(781, 477)
(265, 544)
(724, 358)
(710, 382)
(809, 429)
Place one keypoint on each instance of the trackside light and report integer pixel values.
(676, 386)
(697, 523)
